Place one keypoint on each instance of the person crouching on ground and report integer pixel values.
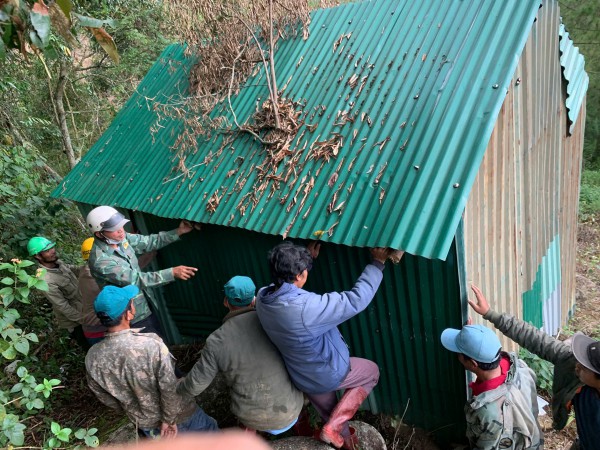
(262, 395)
(134, 372)
(503, 410)
(303, 326)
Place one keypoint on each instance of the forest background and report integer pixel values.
(54, 104)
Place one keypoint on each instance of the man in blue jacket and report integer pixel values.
(303, 326)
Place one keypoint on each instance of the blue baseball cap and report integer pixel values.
(113, 300)
(240, 291)
(475, 341)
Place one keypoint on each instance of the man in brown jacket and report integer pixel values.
(63, 292)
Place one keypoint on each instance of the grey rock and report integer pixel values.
(368, 436)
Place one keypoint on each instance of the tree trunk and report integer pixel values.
(61, 115)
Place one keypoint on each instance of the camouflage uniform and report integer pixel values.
(120, 267)
(506, 417)
(134, 372)
(63, 294)
(89, 290)
(262, 394)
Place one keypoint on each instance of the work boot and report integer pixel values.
(351, 441)
(342, 413)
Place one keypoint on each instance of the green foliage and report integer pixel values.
(543, 369)
(21, 395)
(582, 21)
(25, 204)
(589, 195)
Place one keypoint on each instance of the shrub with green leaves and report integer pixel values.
(544, 370)
(21, 394)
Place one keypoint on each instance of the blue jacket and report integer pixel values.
(303, 326)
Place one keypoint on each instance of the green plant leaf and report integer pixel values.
(40, 20)
(32, 337)
(23, 292)
(64, 434)
(26, 263)
(55, 428)
(41, 285)
(7, 281)
(16, 388)
(92, 441)
(81, 433)
(5, 266)
(53, 382)
(10, 353)
(6, 291)
(22, 345)
(7, 299)
(38, 403)
(92, 22)
(22, 372)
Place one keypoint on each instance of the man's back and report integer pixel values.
(262, 394)
(134, 372)
(506, 417)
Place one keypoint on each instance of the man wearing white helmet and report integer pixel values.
(114, 260)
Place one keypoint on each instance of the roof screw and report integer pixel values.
(97, 174)
(350, 21)
(416, 167)
(495, 86)
(518, 81)
(131, 179)
(416, 96)
(455, 185)
(113, 175)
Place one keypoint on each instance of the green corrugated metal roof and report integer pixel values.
(573, 65)
(435, 75)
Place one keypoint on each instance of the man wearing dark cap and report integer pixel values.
(262, 395)
(134, 372)
(576, 381)
(502, 413)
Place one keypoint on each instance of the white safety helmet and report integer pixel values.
(105, 218)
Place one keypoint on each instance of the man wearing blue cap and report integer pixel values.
(503, 410)
(576, 380)
(133, 372)
(262, 395)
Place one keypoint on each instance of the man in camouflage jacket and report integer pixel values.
(134, 372)
(570, 374)
(114, 261)
(502, 413)
(63, 293)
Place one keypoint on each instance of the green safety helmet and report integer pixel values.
(39, 244)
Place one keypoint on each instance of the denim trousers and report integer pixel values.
(199, 421)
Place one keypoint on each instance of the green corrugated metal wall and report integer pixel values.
(400, 330)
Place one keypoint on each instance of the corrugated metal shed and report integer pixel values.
(577, 79)
(399, 330)
(430, 77)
